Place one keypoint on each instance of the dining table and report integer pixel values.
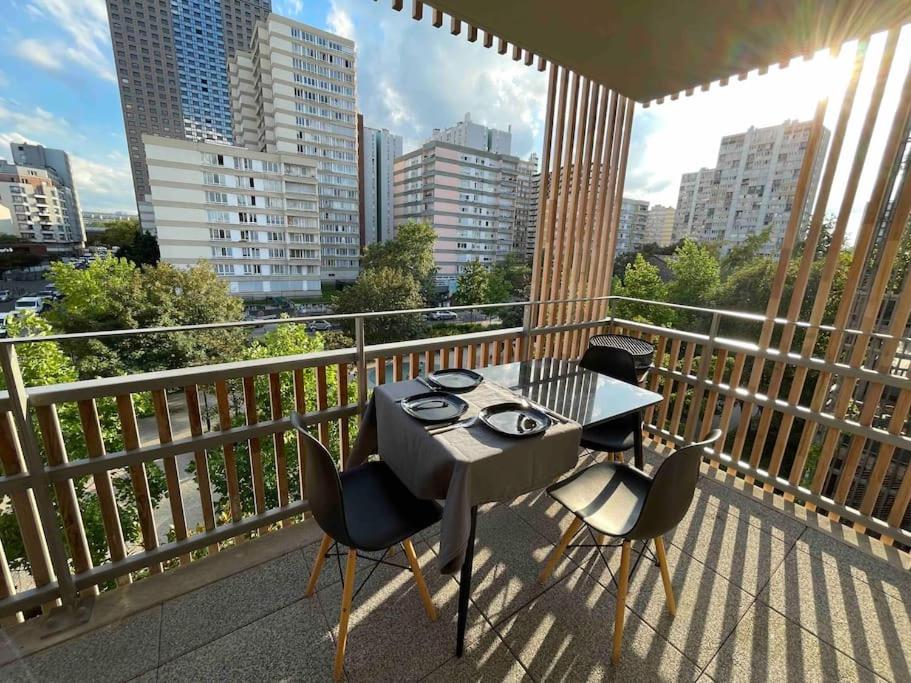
(466, 464)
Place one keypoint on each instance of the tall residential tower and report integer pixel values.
(294, 92)
(377, 151)
(172, 70)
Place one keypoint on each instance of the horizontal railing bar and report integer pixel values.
(14, 483)
(843, 511)
(209, 440)
(826, 419)
(438, 343)
(775, 356)
(170, 379)
(741, 315)
(29, 599)
(168, 551)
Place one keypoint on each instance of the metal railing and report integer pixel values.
(253, 454)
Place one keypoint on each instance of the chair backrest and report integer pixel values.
(671, 491)
(606, 360)
(324, 487)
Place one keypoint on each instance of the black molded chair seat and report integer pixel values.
(607, 496)
(611, 437)
(379, 510)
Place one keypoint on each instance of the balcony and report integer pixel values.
(774, 579)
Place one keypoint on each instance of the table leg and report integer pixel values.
(465, 584)
(638, 454)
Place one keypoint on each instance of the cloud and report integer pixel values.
(105, 184)
(413, 78)
(86, 47)
(35, 122)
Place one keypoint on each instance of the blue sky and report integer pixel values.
(57, 87)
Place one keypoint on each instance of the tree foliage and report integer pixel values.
(642, 280)
(472, 285)
(410, 252)
(113, 294)
(383, 289)
(117, 233)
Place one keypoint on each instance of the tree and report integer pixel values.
(741, 254)
(143, 250)
(508, 280)
(113, 294)
(118, 233)
(697, 277)
(383, 289)
(472, 285)
(410, 252)
(642, 280)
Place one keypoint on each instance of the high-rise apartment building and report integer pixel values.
(468, 195)
(633, 224)
(253, 215)
(377, 151)
(38, 189)
(528, 190)
(476, 136)
(659, 226)
(751, 188)
(294, 92)
(171, 60)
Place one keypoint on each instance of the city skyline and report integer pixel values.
(668, 139)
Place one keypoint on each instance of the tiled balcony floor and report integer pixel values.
(761, 596)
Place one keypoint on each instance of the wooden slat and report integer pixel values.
(436, 17)
(397, 368)
(654, 377)
(191, 396)
(251, 414)
(172, 476)
(343, 430)
(682, 388)
(455, 26)
(417, 10)
(224, 422)
(380, 370)
(130, 430)
(460, 356)
(473, 356)
(488, 39)
(885, 456)
(472, 34)
(300, 405)
(429, 362)
(415, 365)
(322, 402)
(668, 383)
(276, 412)
(23, 503)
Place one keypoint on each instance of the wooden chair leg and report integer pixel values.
(347, 592)
(558, 551)
(600, 538)
(419, 579)
(621, 601)
(318, 564)
(665, 575)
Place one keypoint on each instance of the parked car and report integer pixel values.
(5, 295)
(50, 292)
(4, 318)
(442, 315)
(320, 326)
(31, 304)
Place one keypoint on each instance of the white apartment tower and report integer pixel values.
(631, 230)
(294, 93)
(253, 215)
(39, 192)
(476, 136)
(377, 151)
(468, 195)
(659, 226)
(751, 187)
(528, 189)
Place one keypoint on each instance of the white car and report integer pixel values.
(4, 319)
(5, 295)
(320, 326)
(31, 304)
(443, 315)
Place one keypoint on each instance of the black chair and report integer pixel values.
(366, 509)
(620, 501)
(620, 434)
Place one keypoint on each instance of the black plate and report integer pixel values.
(434, 406)
(457, 380)
(515, 419)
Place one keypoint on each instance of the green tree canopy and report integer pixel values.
(472, 285)
(697, 277)
(642, 280)
(410, 252)
(113, 294)
(741, 254)
(383, 289)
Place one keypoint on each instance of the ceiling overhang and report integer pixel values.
(650, 49)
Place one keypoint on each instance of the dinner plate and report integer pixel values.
(434, 406)
(455, 379)
(518, 420)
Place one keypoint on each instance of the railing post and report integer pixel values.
(525, 355)
(708, 350)
(361, 361)
(31, 451)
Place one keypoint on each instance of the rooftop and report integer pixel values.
(765, 590)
